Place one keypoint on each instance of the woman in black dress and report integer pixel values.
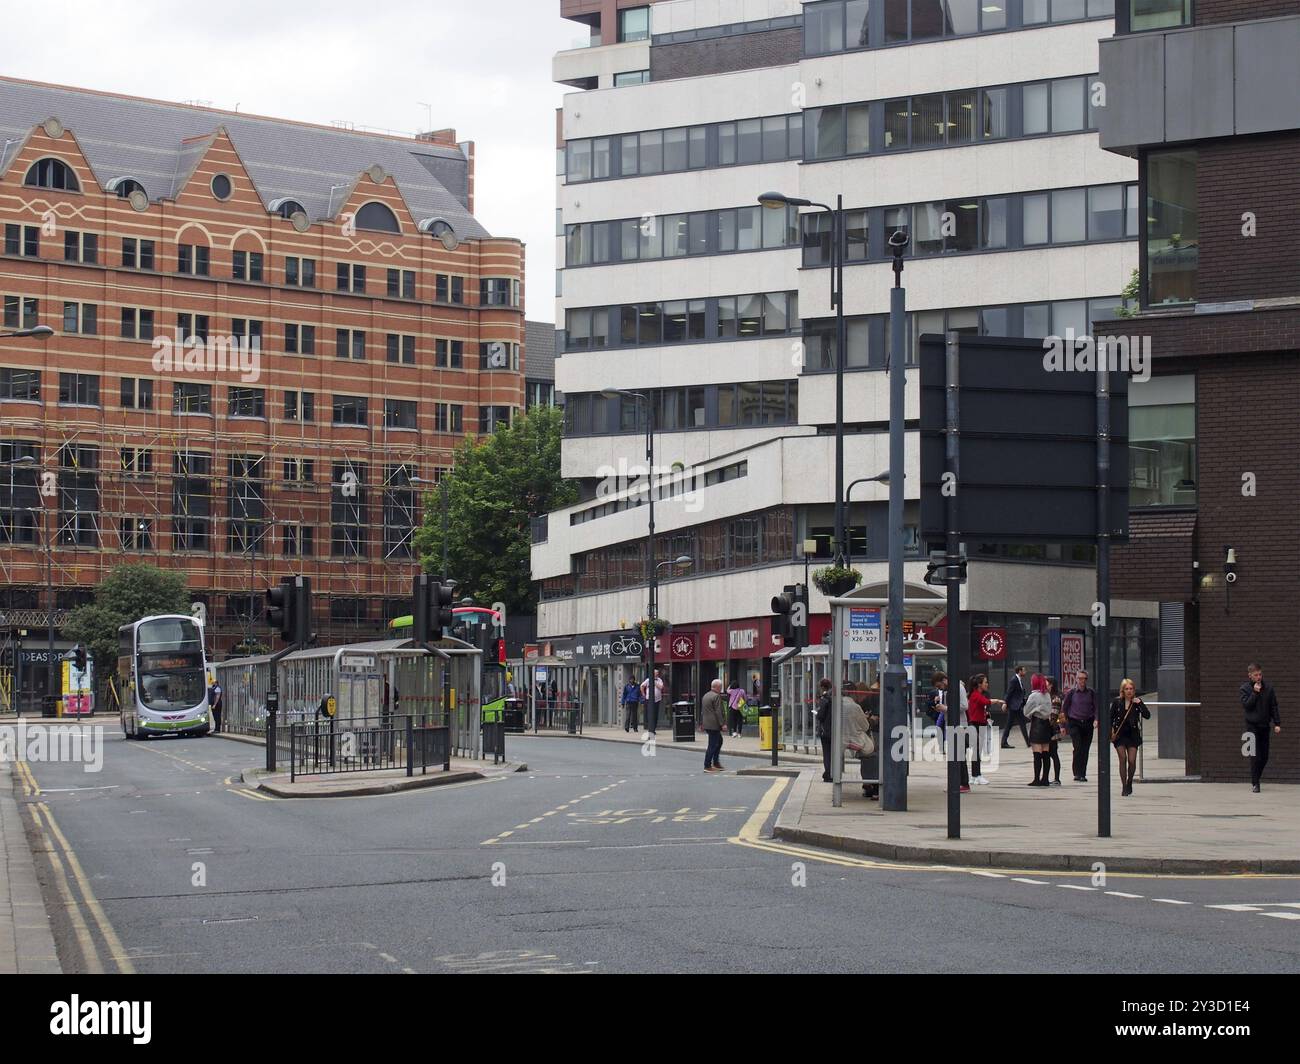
(1126, 714)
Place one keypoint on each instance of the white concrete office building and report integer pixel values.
(970, 122)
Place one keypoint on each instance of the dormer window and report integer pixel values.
(52, 173)
(377, 217)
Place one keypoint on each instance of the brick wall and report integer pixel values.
(1208, 12)
(1156, 563)
(745, 52)
(1260, 175)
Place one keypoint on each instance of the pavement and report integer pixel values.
(385, 781)
(746, 746)
(26, 939)
(1203, 828)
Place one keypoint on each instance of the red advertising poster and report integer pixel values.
(992, 643)
(1071, 656)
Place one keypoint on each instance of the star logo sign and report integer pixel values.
(992, 645)
(682, 647)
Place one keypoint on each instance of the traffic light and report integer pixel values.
(79, 658)
(279, 608)
(433, 605)
(302, 633)
(783, 609)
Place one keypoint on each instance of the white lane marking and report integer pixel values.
(1236, 908)
(989, 875)
(1035, 882)
(71, 790)
(1283, 916)
(1121, 894)
(1171, 901)
(1073, 886)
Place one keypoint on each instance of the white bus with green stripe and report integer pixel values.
(162, 675)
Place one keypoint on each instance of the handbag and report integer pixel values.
(1115, 729)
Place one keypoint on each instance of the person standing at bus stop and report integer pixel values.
(216, 703)
(1080, 709)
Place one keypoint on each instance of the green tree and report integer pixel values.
(498, 484)
(128, 593)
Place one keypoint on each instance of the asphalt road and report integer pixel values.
(597, 859)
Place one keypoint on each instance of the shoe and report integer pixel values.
(1035, 783)
(719, 767)
(982, 781)
(1007, 746)
(1083, 779)
(827, 779)
(1254, 788)
(964, 789)
(1056, 782)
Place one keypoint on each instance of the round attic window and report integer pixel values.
(221, 187)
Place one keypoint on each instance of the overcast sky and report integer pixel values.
(483, 65)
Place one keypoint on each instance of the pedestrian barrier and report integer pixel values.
(562, 715)
(328, 747)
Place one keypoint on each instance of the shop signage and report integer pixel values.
(742, 638)
(862, 635)
(992, 643)
(683, 647)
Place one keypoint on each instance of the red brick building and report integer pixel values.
(1206, 97)
(264, 332)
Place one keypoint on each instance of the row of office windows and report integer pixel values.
(867, 340)
(777, 138)
(668, 236)
(910, 123)
(747, 317)
(196, 260)
(850, 25)
(137, 393)
(949, 119)
(979, 223)
(673, 489)
(713, 406)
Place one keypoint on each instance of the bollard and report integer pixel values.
(410, 745)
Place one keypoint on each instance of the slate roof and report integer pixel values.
(154, 142)
(539, 350)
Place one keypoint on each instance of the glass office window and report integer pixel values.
(1034, 104)
(1106, 212)
(634, 24)
(1068, 105)
(1069, 216)
(929, 127)
(993, 222)
(961, 116)
(675, 153)
(857, 129)
(652, 153)
(1159, 14)
(993, 114)
(1172, 228)
(1035, 224)
(823, 28)
(749, 141)
(824, 132)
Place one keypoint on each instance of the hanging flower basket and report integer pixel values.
(835, 580)
(658, 627)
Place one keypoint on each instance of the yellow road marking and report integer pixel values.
(30, 787)
(749, 836)
(244, 792)
(84, 940)
(119, 955)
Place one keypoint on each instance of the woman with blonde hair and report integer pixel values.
(1038, 711)
(1126, 714)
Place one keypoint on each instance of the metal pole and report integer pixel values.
(837, 300)
(894, 710)
(1102, 684)
(952, 548)
(652, 706)
(837, 714)
(445, 573)
(49, 617)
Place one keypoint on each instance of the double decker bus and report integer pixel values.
(162, 675)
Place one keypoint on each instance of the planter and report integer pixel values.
(834, 582)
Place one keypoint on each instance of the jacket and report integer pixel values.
(1138, 711)
(824, 716)
(856, 725)
(1016, 695)
(1039, 704)
(977, 710)
(1261, 706)
(713, 712)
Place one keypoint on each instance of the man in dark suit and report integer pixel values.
(1016, 696)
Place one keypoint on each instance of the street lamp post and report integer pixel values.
(780, 201)
(682, 561)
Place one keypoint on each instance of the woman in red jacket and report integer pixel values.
(977, 713)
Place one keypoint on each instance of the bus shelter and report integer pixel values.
(374, 681)
(857, 658)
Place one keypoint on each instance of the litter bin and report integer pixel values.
(683, 722)
(513, 715)
(765, 719)
(51, 705)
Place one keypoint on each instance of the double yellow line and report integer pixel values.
(63, 860)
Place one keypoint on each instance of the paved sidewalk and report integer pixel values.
(26, 941)
(746, 746)
(1168, 825)
(384, 781)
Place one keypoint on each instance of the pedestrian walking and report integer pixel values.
(1038, 708)
(712, 721)
(826, 689)
(1058, 731)
(1015, 702)
(1259, 701)
(1126, 714)
(736, 708)
(977, 714)
(652, 704)
(938, 704)
(216, 703)
(631, 698)
(1080, 709)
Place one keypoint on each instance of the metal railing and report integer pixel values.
(370, 744)
(562, 714)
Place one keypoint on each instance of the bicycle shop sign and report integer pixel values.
(608, 647)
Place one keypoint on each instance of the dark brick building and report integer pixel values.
(1210, 106)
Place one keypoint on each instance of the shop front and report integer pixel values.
(606, 661)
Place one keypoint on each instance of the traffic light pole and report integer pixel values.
(893, 718)
(952, 578)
